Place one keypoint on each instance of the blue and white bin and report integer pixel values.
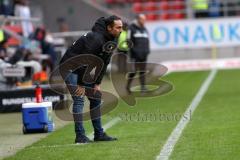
(37, 117)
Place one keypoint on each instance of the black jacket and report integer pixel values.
(91, 44)
(139, 36)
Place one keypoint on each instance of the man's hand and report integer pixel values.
(80, 91)
(96, 88)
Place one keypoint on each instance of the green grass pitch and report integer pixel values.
(212, 133)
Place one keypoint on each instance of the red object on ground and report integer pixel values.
(38, 94)
(40, 76)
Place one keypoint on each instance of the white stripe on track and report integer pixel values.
(176, 133)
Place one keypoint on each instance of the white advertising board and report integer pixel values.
(219, 32)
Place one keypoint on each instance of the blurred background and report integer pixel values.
(184, 35)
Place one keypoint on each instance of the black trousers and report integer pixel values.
(138, 66)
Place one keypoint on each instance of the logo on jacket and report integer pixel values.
(109, 47)
(140, 35)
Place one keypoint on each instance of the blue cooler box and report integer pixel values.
(37, 117)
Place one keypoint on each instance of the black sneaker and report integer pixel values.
(104, 137)
(82, 139)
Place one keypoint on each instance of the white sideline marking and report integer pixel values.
(105, 127)
(176, 133)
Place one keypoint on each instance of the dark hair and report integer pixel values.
(110, 20)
